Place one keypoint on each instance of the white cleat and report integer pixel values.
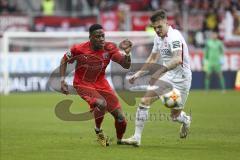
(184, 129)
(131, 141)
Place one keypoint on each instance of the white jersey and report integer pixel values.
(166, 46)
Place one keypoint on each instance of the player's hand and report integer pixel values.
(64, 87)
(133, 77)
(126, 45)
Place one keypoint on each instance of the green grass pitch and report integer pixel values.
(30, 130)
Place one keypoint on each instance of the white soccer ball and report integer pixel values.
(171, 99)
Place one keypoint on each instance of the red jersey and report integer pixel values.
(91, 65)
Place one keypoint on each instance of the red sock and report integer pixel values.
(120, 128)
(99, 116)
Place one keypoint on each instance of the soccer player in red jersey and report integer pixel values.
(92, 58)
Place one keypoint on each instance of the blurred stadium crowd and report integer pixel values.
(195, 18)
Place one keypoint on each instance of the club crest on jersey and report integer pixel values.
(105, 55)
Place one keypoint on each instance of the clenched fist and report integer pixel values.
(126, 45)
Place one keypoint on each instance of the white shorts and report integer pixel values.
(183, 85)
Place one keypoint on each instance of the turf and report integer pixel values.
(31, 130)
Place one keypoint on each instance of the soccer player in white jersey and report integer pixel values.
(170, 45)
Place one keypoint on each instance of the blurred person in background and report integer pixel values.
(236, 21)
(6, 7)
(211, 21)
(213, 59)
(48, 7)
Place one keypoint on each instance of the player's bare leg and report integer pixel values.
(98, 108)
(141, 117)
(99, 111)
(181, 117)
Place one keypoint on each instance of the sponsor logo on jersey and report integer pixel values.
(176, 44)
(165, 51)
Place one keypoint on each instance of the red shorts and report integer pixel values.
(91, 94)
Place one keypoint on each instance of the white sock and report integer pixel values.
(182, 118)
(141, 117)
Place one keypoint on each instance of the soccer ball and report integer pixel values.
(171, 99)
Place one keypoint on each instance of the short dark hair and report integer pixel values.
(158, 15)
(94, 27)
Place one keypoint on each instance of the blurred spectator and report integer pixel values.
(48, 7)
(236, 4)
(154, 4)
(229, 21)
(123, 12)
(178, 21)
(94, 5)
(199, 39)
(194, 7)
(5, 7)
(196, 18)
(107, 5)
(170, 6)
(236, 21)
(232, 21)
(211, 21)
(139, 5)
(205, 5)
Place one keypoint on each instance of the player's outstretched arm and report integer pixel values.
(63, 67)
(153, 58)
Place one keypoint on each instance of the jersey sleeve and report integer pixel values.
(71, 54)
(117, 56)
(115, 53)
(175, 43)
(155, 46)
